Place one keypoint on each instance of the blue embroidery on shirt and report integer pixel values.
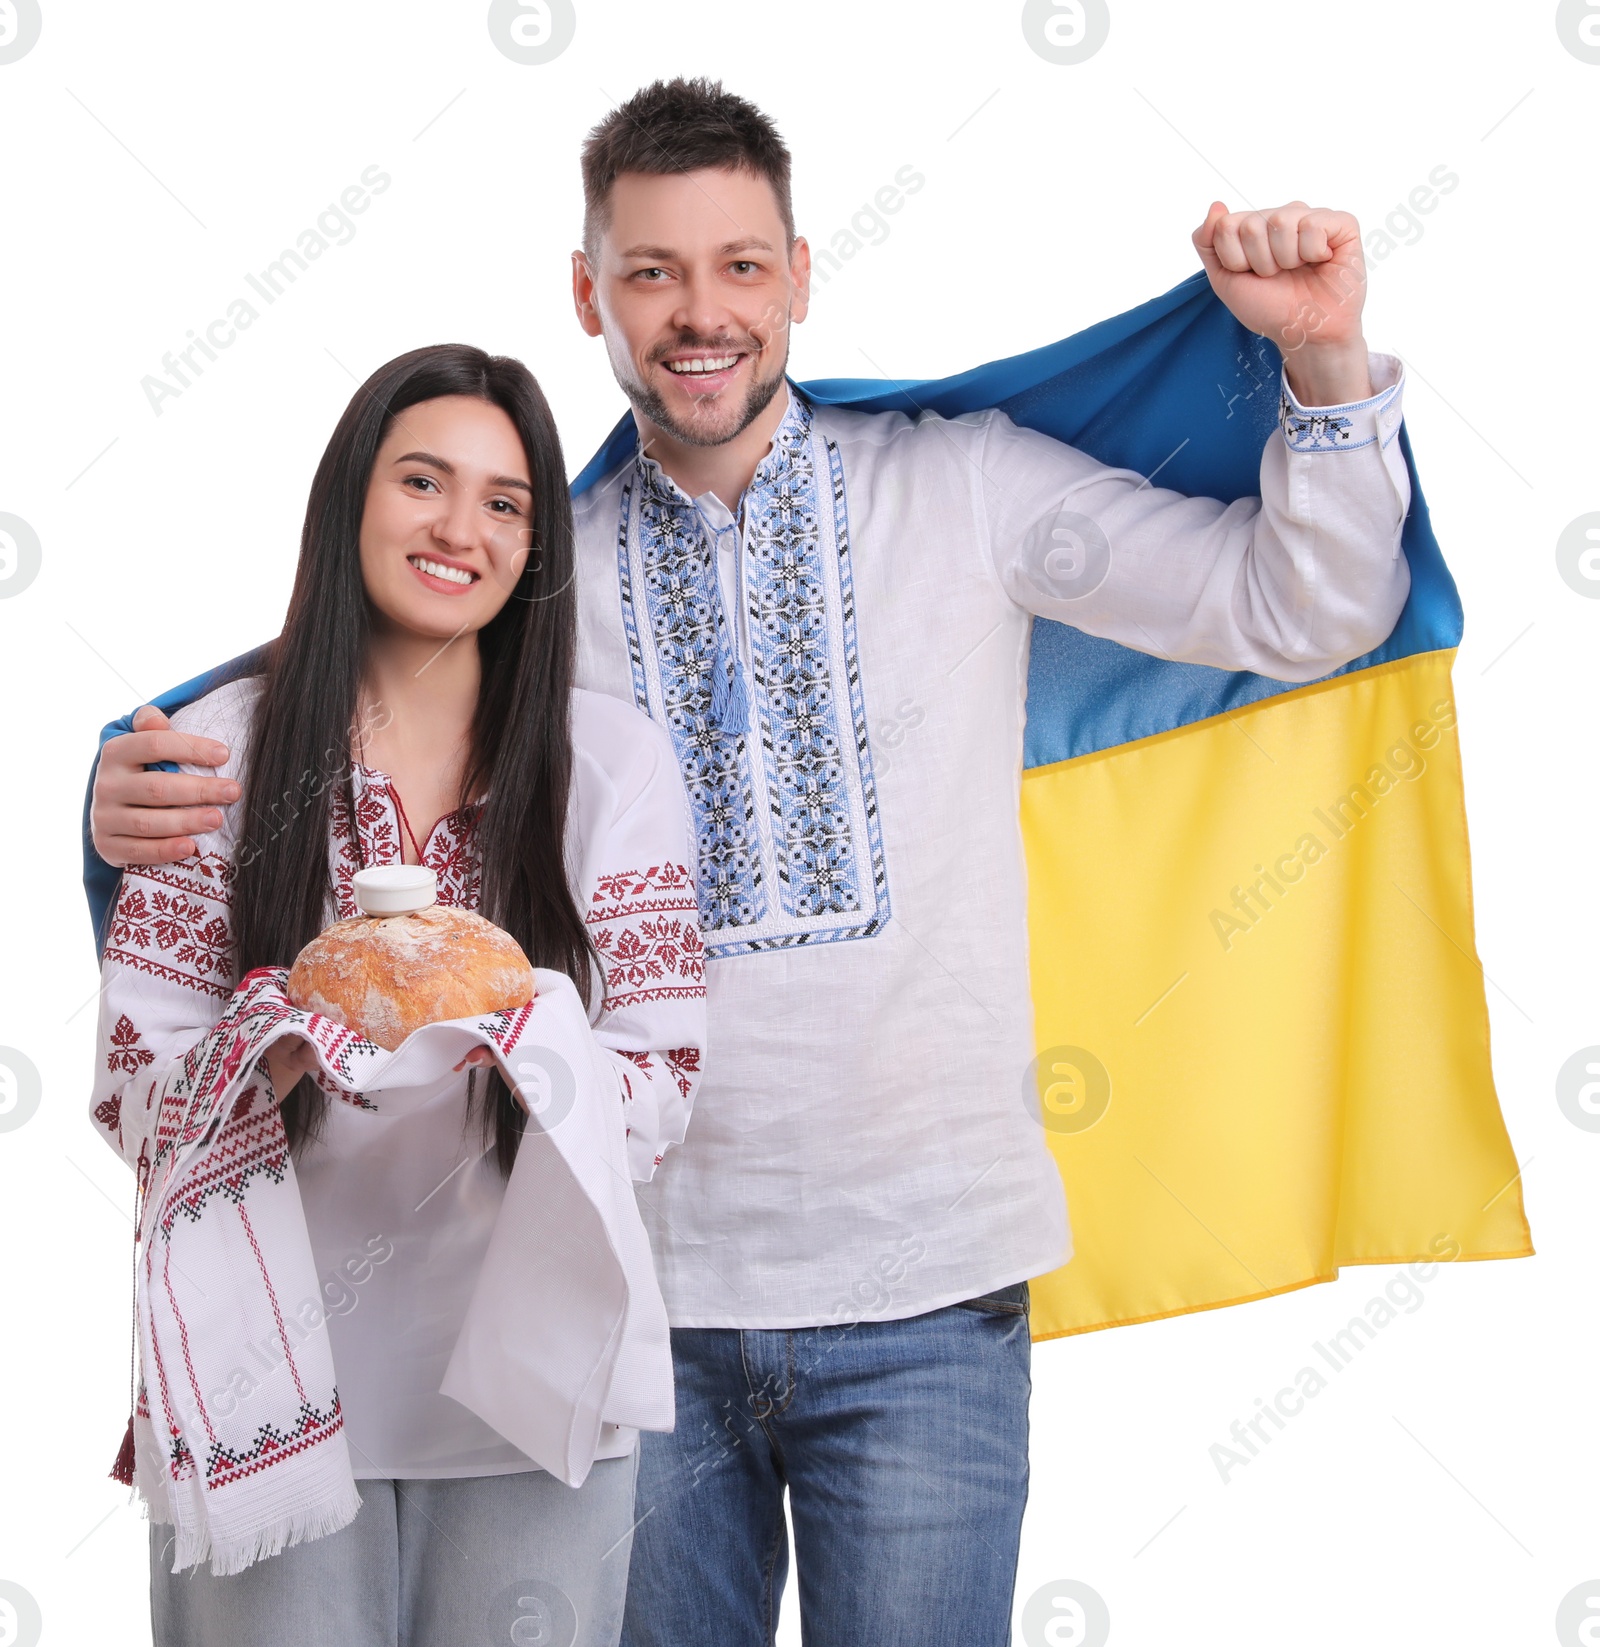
(814, 817)
(684, 612)
(1313, 431)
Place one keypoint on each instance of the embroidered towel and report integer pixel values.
(565, 1329)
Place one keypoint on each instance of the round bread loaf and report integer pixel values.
(384, 975)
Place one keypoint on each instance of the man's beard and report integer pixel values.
(728, 422)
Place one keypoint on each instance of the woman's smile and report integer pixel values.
(445, 577)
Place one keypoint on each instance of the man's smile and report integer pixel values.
(689, 365)
(704, 372)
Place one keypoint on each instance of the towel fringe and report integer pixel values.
(234, 1555)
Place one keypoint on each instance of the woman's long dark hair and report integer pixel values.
(520, 744)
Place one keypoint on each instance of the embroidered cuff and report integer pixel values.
(1343, 428)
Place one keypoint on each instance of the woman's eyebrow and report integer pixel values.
(448, 468)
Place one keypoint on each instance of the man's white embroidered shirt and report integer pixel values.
(842, 670)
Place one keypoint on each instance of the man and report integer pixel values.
(846, 1237)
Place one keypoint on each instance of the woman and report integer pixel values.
(417, 708)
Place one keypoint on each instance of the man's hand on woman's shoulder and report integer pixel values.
(140, 817)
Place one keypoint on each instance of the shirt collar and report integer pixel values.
(779, 458)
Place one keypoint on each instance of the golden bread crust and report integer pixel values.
(386, 975)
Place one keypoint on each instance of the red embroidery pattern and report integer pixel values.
(379, 841)
(245, 1147)
(503, 1028)
(448, 850)
(210, 1065)
(171, 921)
(670, 884)
(646, 932)
(128, 1051)
(684, 1062)
(643, 1060)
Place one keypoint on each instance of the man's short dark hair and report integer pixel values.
(676, 126)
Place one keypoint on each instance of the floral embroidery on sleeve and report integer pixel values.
(171, 921)
(128, 1051)
(647, 935)
(684, 1062)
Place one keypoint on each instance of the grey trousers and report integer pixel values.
(477, 1560)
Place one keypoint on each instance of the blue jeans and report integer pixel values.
(453, 1563)
(903, 1446)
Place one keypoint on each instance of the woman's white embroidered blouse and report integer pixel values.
(401, 1209)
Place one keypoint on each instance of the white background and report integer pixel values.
(1442, 1488)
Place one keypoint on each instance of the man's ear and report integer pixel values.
(800, 275)
(583, 299)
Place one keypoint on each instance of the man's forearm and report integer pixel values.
(1329, 374)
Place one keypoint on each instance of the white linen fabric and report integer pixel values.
(533, 1330)
(842, 665)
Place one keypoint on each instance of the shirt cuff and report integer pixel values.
(1344, 428)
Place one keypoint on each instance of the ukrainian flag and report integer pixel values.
(1263, 1038)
